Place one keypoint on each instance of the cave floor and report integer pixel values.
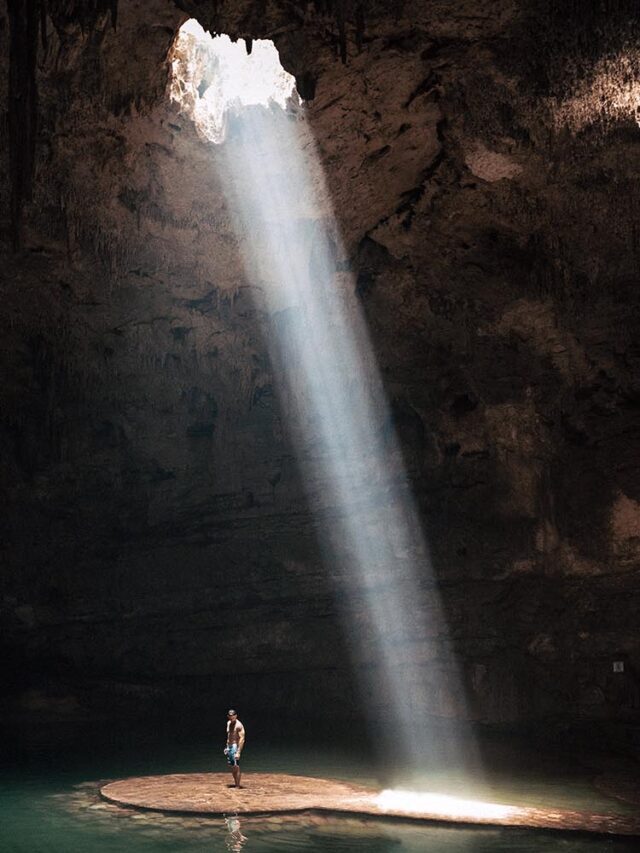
(275, 793)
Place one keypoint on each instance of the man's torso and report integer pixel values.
(234, 731)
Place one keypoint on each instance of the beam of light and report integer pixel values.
(342, 429)
(444, 806)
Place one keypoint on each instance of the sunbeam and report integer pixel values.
(342, 428)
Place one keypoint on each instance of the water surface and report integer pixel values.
(49, 800)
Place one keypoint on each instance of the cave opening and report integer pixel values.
(213, 76)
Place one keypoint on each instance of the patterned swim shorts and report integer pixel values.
(232, 757)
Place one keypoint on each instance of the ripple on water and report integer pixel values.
(305, 841)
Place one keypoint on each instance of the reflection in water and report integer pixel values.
(235, 840)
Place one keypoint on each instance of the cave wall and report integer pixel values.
(158, 540)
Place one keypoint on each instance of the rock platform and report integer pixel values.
(210, 794)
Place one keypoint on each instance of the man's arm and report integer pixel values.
(240, 739)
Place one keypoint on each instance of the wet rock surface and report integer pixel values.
(212, 793)
(208, 793)
(157, 537)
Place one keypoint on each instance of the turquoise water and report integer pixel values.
(49, 800)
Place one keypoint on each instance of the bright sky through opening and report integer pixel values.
(218, 75)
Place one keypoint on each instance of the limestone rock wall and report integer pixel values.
(481, 159)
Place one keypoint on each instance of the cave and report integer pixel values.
(320, 393)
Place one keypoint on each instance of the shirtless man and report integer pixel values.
(235, 743)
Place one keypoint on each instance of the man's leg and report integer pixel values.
(236, 774)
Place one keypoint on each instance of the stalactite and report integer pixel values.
(324, 7)
(342, 33)
(248, 42)
(343, 12)
(360, 26)
(306, 85)
(27, 21)
(24, 20)
(43, 24)
(83, 12)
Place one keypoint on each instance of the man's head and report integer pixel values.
(232, 715)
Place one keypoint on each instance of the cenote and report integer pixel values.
(320, 425)
(51, 778)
